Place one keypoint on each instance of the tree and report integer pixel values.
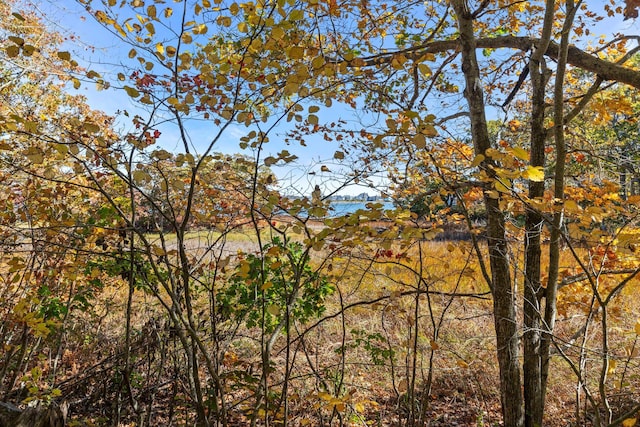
(47, 224)
(427, 75)
(437, 49)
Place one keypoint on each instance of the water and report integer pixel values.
(339, 208)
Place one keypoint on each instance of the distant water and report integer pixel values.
(345, 208)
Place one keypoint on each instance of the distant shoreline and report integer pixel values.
(360, 201)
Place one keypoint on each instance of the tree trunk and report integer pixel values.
(532, 363)
(34, 416)
(505, 321)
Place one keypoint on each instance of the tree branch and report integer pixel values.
(576, 57)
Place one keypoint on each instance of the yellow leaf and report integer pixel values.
(12, 51)
(35, 156)
(296, 15)
(277, 33)
(17, 40)
(612, 367)
(295, 52)
(245, 268)
(534, 173)
(201, 29)
(132, 92)
(637, 327)
(65, 56)
(477, 160)
(90, 127)
(160, 48)
(629, 422)
(242, 27)
(140, 176)
(419, 141)
(273, 310)
(429, 130)
(168, 12)
(571, 206)
(424, 69)
(520, 153)
(324, 396)
(499, 185)
(318, 62)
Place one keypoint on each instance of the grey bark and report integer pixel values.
(53, 415)
(575, 56)
(532, 358)
(505, 322)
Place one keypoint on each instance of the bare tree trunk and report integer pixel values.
(506, 324)
(532, 362)
(551, 292)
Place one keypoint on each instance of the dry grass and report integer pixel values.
(356, 364)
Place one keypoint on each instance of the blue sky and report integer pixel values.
(98, 49)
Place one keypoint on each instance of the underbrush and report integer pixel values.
(399, 335)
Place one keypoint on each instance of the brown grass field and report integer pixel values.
(401, 338)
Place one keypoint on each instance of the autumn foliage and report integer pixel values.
(149, 277)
